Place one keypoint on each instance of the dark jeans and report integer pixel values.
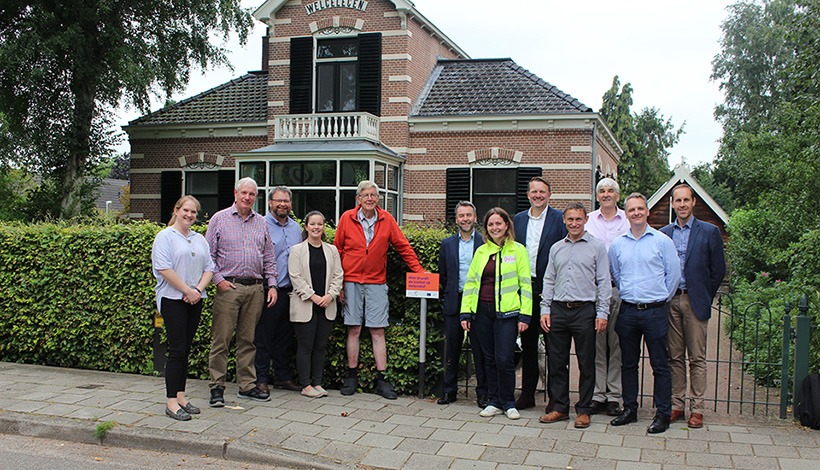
(274, 340)
(496, 338)
(181, 320)
(529, 346)
(454, 338)
(567, 324)
(653, 325)
(311, 338)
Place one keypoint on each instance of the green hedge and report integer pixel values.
(83, 296)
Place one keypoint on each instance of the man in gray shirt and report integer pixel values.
(577, 276)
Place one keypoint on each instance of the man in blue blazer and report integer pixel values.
(537, 228)
(454, 258)
(703, 266)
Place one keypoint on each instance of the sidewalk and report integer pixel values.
(365, 431)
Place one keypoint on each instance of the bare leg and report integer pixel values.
(353, 333)
(379, 347)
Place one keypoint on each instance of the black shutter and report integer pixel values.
(370, 73)
(301, 75)
(170, 187)
(226, 181)
(525, 174)
(458, 189)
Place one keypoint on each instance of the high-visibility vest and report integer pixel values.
(513, 289)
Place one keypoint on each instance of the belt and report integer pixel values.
(573, 304)
(245, 281)
(646, 306)
(681, 291)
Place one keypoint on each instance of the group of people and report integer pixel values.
(605, 280)
(274, 281)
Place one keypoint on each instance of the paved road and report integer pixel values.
(368, 431)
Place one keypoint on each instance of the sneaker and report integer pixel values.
(254, 394)
(321, 390)
(491, 411)
(512, 413)
(191, 409)
(349, 386)
(217, 397)
(311, 392)
(385, 389)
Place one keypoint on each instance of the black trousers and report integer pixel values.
(181, 320)
(566, 325)
(529, 345)
(311, 338)
(274, 340)
(454, 338)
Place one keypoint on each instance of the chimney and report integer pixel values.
(265, 50)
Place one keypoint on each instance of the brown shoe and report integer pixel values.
(554, 416)
(676, 415)
(695, 420)
(263, 387)
(287, 385)
(582, 421)
(550, 406)
(524, 402)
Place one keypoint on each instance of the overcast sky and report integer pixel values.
(663, 48)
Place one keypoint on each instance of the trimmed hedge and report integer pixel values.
(83, 296)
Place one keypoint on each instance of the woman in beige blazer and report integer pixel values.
(315, 271)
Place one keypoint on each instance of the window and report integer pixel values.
(336, 75)
(204, 186)
(489, 187)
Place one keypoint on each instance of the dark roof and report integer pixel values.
(243, 99)
(490, 87)
(341, 146)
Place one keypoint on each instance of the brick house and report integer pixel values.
(353, 90)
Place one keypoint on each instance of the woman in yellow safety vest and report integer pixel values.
(497, 302)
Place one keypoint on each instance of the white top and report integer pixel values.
(189, 257)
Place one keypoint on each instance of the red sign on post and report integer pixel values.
(422, 285)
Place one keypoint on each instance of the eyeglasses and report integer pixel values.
(369, 196)
(281, 201)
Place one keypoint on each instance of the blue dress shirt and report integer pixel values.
(465, 257)
(647, 269)
(284, 236)
(680, 235)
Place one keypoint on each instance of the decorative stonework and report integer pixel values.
(201, 160)
(494, 156)
(336, 25)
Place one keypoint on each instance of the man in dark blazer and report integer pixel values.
(703, 266)
(454, 258)
(537, 228)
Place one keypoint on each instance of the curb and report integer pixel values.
(161, 440)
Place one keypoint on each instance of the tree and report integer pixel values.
(645, 138)
(64, 65)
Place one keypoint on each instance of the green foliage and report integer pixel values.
(102, 429)
(83, 296)
(645, 138)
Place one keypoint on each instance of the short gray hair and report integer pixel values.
(636, 196)
(366, 184)
(246, 181)
(607, 183)
(283, 189)
(464, 204)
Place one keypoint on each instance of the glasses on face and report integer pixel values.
(281, 201)
(369, 196)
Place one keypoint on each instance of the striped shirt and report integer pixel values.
(241, 247)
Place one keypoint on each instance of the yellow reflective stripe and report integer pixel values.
(508, 289)
(508, 276)
(470, 292)
(526, 294)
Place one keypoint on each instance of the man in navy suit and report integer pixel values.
(454, 258)
(700, 249)
(537, 228)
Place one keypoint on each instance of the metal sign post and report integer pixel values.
(423, 286)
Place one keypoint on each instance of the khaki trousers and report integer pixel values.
(608, 357)
(235, 309)
(687, 337)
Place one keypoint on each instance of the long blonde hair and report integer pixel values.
(179, 204)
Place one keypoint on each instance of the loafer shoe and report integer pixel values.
(254, 394)
(264, 387)
(553, 417)
(449, 397)
(386, 390)
(512, 413)
(582, 421)
(191, 409)
(613, 408)
(490, 411)
(524, 402)
(349, 386)
(628, 416)
(321, 390)
(287, 385)
(676, 415)
(695, 421)
(180, 415)
(659, 425)
(597, 407)
(311, 393)
(217, 397)
(482, 401)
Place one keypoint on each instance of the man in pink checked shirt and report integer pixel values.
(242, 251)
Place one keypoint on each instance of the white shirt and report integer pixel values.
(534, 228)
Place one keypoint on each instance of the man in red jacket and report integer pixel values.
(363, 235)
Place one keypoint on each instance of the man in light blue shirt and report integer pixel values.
(646, 269)
(274, 332)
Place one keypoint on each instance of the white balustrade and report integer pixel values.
(327, 126)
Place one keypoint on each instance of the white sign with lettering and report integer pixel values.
(320, 5)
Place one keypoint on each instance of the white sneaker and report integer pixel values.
(512, 413)
(490, 411)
